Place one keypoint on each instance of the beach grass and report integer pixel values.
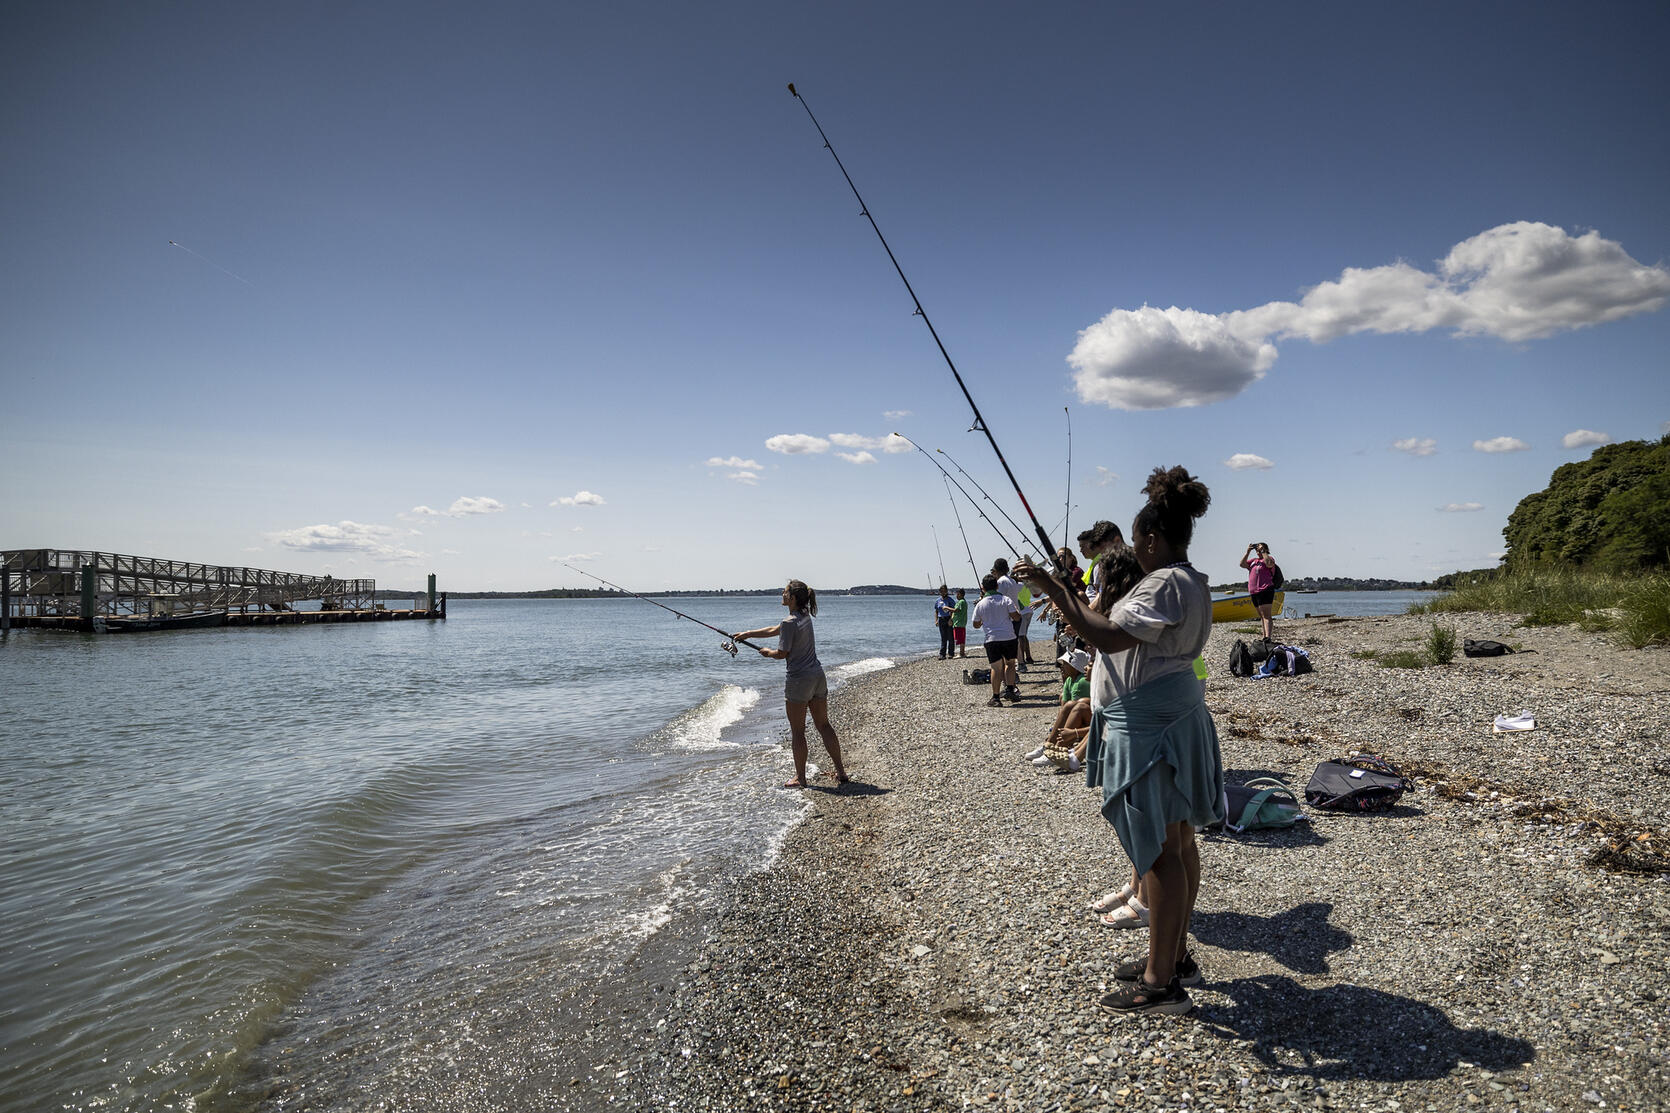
(1440, 644)
(1636, 608)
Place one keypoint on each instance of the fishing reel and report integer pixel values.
(728, 646)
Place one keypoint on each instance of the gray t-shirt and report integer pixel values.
(794, 637)
(1169, 612)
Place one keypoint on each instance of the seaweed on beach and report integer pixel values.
(1630, 847)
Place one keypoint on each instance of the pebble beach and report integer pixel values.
(1496, 941)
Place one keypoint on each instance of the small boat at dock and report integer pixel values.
(127, 624)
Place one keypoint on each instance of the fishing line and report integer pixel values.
(948, 477)
(982, 490)
(979, 421)
(728, 645)
(939, 554)
(212, 263)
(949, 498)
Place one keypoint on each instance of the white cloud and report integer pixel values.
(576, 529)
(1104, 477)
(253, 549)
(889, 443)
(346, 537)
(1501, 444)
(421, 512)
(857, 457)
(1416, 446)
(745, 477)
(1461, 507)
(579, 498)
(1516, 282)
(469, 506)
(1241, 461)
(894, 415)
(1153, 359)
(1582, 438)
(733, 462)
(450, 552)
(575, 558)
(795, 444)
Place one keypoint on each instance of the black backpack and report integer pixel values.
(1472, 648)
(1240, 659)
(1359, 783)
(1275, 570)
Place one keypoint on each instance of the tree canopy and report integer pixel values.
(1610, 512)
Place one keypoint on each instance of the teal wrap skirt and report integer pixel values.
(1154, 753)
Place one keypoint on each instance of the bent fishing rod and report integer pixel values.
(952, 500)
(988, 497)
(1001, 536)
(728, 645)
(979, 421)
(939, 554)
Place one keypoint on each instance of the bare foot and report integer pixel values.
(794, 782)
(841, 778)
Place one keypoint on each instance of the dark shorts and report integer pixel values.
(805, 689)
(1264, 598)
(1003, 650)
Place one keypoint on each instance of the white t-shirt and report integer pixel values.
(992, 613)
(1169, 612)
(1010, 589)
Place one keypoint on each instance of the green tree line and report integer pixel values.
(1610, 513)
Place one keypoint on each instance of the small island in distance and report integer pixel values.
(1316, 583)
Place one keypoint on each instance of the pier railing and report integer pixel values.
(62, 582)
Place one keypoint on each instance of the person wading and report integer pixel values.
(805, 687)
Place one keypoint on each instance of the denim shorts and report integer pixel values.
(805, 689)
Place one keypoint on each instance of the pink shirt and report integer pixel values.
(1259, 575)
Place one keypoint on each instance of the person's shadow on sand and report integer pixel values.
(849, 788)
(1346, 1032)
(1301, 938)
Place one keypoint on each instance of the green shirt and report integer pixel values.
(959, 613)
(1076, 687)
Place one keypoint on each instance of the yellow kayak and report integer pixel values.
(1239, 608)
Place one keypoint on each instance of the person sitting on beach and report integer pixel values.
(805, 688)
(959, 623)
(1153, 747)
(996, 616)
(1072, 721)
(1261, 583)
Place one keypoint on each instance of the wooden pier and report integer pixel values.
(61, 589)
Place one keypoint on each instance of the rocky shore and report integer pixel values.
(1497, 941)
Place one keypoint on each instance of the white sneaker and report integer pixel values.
(1042, 762)
(1033, 755)
(1073, 765)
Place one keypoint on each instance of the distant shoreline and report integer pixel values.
(1318, 584)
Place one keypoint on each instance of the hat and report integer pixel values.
(1076, 659)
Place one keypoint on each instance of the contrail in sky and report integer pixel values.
(211, 263)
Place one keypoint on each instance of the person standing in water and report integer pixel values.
(805, 688)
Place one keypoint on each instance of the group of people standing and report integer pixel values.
(1134, 623)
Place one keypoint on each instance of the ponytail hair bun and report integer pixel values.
(1175, 500)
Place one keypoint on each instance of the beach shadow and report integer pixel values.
(1301, 938)
(851, 788)
(1347, 1032)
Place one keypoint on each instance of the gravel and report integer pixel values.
(1496, 941)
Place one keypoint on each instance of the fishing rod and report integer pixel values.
(991, 500)
(979, 421)
(1068, 411)
(728, 645)
(960, 530)
(1000, 534)
(940, 554)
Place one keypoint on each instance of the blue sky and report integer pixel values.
(478, 289)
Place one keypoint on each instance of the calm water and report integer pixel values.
(216, 838)
(361, 866)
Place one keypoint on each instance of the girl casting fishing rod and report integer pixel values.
(728, 645)
(979, 421)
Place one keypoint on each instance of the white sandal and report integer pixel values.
(1113, 900)
(1132, 914)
